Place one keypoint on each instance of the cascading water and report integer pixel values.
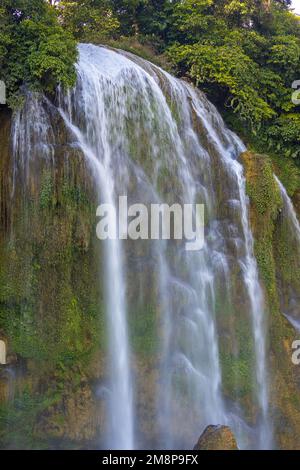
(292, 226)
(249, 266)
(154, 138)
(289, 210)
(258, 319)
(96, 145)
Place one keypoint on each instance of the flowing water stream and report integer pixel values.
(289, 210)
(154, 138)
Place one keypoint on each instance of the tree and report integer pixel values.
(245, 55)
(90, 20)
(35, 51)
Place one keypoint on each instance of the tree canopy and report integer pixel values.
(35, 50)
(245, 54)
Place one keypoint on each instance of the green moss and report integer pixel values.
(237, 376)
(46, 190)
(237, 361)
(236, 344)
(278, 264)
(18, 420)
(263, 189)
(288, 173)
(287, 257)
(144, 330)
(275, 250)
(266, 203)
(263, 249)
(73, 195)
(50, 306)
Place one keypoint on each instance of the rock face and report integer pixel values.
(53, 385)
(59, 343)
(52, 317)
(217, 438)
(278, 260)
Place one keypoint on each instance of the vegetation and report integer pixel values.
(35, 50)
(266, 204)
(244, 54)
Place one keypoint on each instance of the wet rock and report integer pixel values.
(74, 417)
(216, 438)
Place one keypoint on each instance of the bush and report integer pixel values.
(35, 51)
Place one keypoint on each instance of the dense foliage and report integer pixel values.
(244, 53)
(89, 20)
(35, 51)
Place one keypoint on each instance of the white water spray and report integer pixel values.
(136, 125)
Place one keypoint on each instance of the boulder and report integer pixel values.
(216, 438)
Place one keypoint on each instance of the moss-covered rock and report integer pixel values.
(276, 259)
(51, 310)
(216, 438)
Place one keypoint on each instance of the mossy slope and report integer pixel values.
(275, 258)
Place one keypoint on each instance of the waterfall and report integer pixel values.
(250, 272)
(95, 143)
(153, 138)
(292, 226)
(289, 209)
(258, 320)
